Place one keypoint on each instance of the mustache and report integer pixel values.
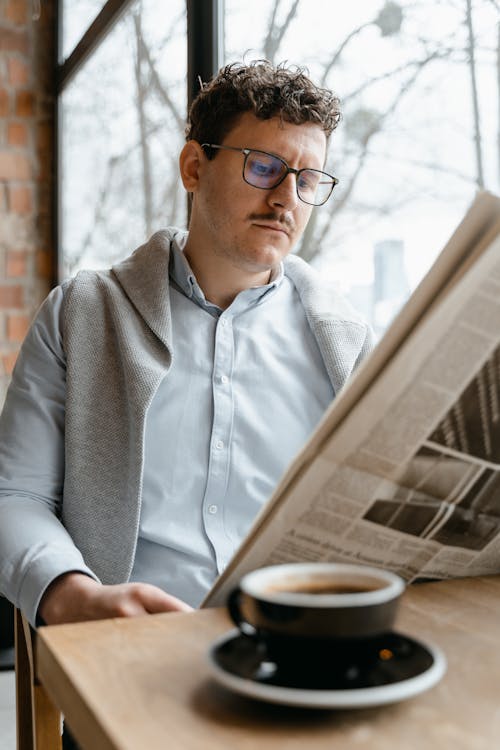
(286, 221)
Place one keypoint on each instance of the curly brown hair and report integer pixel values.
(266, 91)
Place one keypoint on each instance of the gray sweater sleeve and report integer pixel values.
(35, 548)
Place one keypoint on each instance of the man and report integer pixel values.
(155, 406)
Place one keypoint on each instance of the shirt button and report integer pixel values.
(223, 322)
(224, 379)
(219, 445)
(212, 509)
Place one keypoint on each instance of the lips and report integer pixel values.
(272, 227)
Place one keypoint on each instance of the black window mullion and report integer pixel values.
(98, 29)
(205, 41)
(56, 213)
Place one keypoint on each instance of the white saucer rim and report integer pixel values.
(354, 698)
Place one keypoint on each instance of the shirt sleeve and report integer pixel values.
(35, 548)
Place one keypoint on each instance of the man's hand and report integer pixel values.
(74, 597)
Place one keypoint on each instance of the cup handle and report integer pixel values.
(233, 605)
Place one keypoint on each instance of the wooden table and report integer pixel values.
(143, 684)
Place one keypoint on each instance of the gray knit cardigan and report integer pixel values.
(118, 341)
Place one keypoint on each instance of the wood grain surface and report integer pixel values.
(143, 684)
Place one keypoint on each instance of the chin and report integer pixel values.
(272, 251)
(264, 259)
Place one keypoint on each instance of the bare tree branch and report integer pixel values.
(420, 164)
(311, 245)
(161, 90)
(275, 33)
(147, 182)
(498, 98)
(100, 209)
(369, 213)
(105, 191)
(339, 51)
(435, 55)
(475, 101)
(169, 201)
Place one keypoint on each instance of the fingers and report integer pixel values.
(134, 599)
(76, 597)
(154, 600)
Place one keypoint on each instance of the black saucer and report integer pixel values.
(385, 669)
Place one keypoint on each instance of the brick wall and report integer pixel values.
(26, 170)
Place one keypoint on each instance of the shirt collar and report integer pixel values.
(182, 275)
(180, 270)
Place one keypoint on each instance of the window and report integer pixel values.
(76, 18)
(420, 94)
(123, 119)
(419, 86)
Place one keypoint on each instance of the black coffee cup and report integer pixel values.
(314, 603)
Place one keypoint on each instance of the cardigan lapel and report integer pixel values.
(343, 336)
(144, 276)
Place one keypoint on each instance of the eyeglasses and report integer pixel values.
(267, 171)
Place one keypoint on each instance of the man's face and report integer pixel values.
(253, 228)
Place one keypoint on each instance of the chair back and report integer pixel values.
(38, 722)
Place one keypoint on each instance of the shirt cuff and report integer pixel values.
(39, 577)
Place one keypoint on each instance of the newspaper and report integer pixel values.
(403, 472)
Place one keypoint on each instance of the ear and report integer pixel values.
(190, 161)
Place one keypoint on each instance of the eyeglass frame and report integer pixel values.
(289, 170)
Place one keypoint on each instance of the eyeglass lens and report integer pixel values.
(265, 171)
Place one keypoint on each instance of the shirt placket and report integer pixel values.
(220, 441)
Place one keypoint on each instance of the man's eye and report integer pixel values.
(263, 169)
(308, 180)
(260, 168)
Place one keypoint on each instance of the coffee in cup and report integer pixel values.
(316, 601)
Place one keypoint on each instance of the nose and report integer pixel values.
(284, 195)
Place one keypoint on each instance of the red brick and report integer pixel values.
(4, 102)
(13, 40)
(14, 166)
(45, 167)
(8, 361)
(45, 229)
(17, 327)
(17, 134)
(44, 198)
(20, 199)
(18, 72)
(16, 264)
(44, 143)
(44, 136)
(25, 103)
(11, 296)
(44, 104)
(3, 197)
(43, 263)
(17, 11)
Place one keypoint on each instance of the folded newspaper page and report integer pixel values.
(403, 472)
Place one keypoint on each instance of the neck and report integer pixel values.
(218, 277)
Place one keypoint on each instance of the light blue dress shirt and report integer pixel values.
(245, 390)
